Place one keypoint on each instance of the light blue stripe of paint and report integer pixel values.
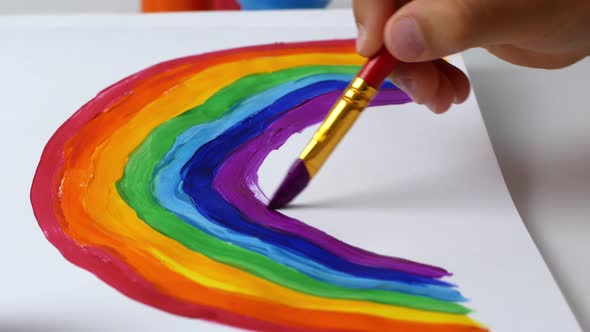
(167, 190)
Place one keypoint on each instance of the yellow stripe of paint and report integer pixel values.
(111, 213)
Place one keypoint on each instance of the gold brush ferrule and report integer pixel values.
(342, 116)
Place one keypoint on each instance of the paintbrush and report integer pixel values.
(355, 98)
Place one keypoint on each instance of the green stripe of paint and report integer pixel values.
(134, 189)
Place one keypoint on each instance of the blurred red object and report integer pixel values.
(156, 6)
(225, 4)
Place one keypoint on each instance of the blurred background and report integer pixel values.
(135, 6)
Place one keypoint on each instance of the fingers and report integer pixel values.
(436, 84)
(425, 30)
(371, 16)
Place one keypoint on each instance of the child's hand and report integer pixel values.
(533, 33)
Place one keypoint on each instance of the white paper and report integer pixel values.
(405, 182)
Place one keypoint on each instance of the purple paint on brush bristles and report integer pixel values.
(296, 180)
(237, 182)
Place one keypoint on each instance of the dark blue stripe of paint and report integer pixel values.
(198, 174)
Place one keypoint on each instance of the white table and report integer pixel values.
(539, 124)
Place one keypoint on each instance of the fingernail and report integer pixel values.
(436, 109)
(361, 37)
(408, 85)
(432, 106)
(407, 39)
(403, 79)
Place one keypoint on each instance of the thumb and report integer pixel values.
(425, 30)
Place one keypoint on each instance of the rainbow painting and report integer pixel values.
(153, 187)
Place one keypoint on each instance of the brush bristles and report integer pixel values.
(296, 180)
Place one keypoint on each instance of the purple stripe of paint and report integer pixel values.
(237, 182)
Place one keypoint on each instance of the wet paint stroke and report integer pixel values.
(153, 187)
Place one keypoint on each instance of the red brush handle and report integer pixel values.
(378, 68)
